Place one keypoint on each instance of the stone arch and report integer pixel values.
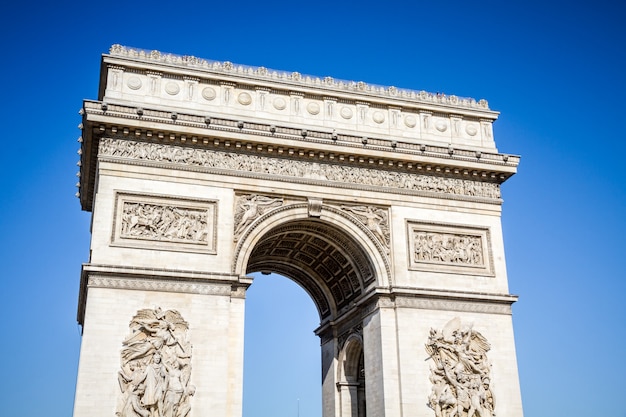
(351, 377)
(332, 256)
(350, 356)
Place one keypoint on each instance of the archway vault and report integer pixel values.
(327, 257)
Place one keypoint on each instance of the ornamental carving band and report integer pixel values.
(155, 366)
(459, 372)
(237, 162)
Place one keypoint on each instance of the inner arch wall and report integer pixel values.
(275, 218)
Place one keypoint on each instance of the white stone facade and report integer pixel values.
(383, 203)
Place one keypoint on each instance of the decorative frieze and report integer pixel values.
(460, 372)
(155, 374)
(159, 284)
(156, 222)
(304, 170)
(449, 248)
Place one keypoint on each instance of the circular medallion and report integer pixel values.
(279, 103)
(378, 117)
(410, 121)
(208, 93)
(471, 130)
(346, 112)
(134, 83)
(441, 126)
(172, 88)
(313, 108)
(244, 99)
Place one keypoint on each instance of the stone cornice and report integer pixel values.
(155, 279)
(448, 300)
(296, 81)
(172, 122)
(102, 119)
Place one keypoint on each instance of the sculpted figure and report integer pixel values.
(459, 372)
(155, 380)
(447, 248)
(160, 222)
(132, 390)
(156, 366)
(252, 207)
(174, 390)
(372, 218)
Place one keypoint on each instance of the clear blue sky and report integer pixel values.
(555, 71)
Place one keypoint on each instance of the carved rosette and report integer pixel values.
(460, 372)
(155, 366)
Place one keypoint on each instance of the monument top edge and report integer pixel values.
(296, 78)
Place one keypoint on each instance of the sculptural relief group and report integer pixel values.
(448, 248)
(157, 222)
(460, 372)
(155, 367)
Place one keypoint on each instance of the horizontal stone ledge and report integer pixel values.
(157, 279)
(409, 292)
(204, 125)
(171, 274)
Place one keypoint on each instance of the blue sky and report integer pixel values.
(555, 71)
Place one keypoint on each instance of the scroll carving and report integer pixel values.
(376, 220)
(250, 207)
(460, 372)
(299, 169)
(155, 366)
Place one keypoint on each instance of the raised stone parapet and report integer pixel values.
(211, 87)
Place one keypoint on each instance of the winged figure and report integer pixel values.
(460, 372)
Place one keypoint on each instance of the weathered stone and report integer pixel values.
(383, 203)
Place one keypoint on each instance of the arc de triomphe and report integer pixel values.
(382, 203)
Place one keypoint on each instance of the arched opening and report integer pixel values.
(321, 258)
(352, 378)
(281, 352)
(335, 270)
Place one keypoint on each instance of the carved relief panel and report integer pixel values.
(449, 248)
(460, 372)
(249, 207)
(155, 366)
(157, 222)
